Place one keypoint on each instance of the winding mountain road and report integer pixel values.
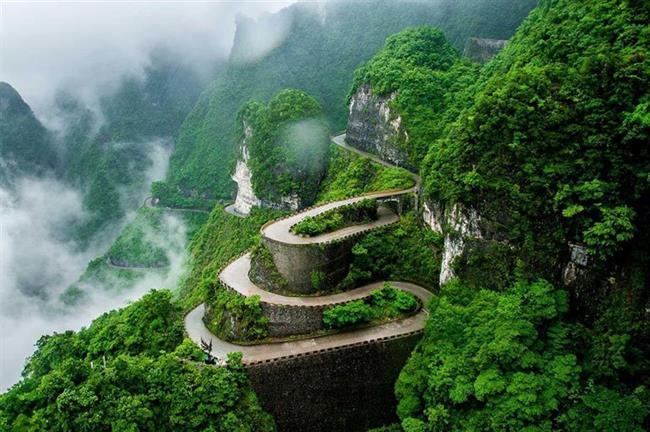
(235, 276)
(148, 202)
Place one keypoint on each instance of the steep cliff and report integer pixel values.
(481, 50)
(25, 145)
(246, 198)
(375, 128)
(322, 47)
(402, 98)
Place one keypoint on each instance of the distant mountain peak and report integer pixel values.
(11, 103)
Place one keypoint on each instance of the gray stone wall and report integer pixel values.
(340, 389)
(292, 320)
(296, 263)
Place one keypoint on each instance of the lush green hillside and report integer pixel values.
(223, 237)
(549, 147)
(318, 55)
(130, 370)
(26, 147)
(288, 146)
(350, 175)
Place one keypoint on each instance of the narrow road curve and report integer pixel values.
(230, 209)
(235, 276)
(149, 202)
(111, 264)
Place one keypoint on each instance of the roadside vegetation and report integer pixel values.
(357, 213)
(382, 305)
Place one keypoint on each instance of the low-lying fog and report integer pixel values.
(85, 49)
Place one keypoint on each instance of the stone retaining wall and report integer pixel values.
(297, 262)
(348, 388)
(293, 320)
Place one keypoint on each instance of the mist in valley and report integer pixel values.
(87, 51)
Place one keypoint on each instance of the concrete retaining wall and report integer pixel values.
(296, 263)
(348, 388)
(292, 320)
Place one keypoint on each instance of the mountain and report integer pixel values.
(26, 147)
(538, 181)
(318, 54)
(524, 217)
(109, 158)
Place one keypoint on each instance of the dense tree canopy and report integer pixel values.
(425, 74)
(507, 361)
(130, 370)
(548, 144)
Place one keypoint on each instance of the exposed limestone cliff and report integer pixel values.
(458, 224)
(375, 128)
(482, 50)
(246, 198)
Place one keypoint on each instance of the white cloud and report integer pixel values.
(87, 46)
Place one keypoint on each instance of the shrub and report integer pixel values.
(384, 303)
(353, 214)
(318, 280)
(351, 313)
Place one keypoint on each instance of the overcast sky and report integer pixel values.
(87, 45)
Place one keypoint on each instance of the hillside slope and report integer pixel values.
(319, 54)
(26, 147)
(549, 157)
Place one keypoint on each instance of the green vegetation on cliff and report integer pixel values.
(508, 361)
(130, 370)
(287, 145)
(221, 238)
(548, 147)
(382, 305)
(349, 174)
(427, 76)
(152, 235)
(135, 246)
(26, 147)
(406, 251)
(139, 121)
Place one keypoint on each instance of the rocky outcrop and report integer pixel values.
(481, 50)
(246, 198)
(458, 224)
(375, 128)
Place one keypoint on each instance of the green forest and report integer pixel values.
(318, 58)
(542, 152)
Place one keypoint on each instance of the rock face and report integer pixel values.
(457, 224)
(482, 50)
(576, 265)
(246, 198)
(374, 128)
